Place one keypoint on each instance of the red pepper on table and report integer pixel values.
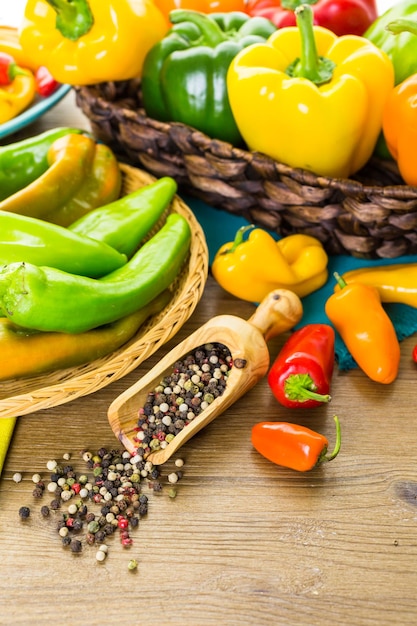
(415, 354)
(293, 446)
(301, 374)
(343, 17)
(45, 82)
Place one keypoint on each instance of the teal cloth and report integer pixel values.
(220, 227)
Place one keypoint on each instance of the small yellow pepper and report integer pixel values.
(395, 283)
(310, 99)
(251, 269)
(17, 96)
(91, 41)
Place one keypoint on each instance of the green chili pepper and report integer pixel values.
(123, 223)
(24, 161)
(44, 298)
(401, 47)
(27, 353)
(184, 74)
(38, 242)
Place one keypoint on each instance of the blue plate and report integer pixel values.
(36, 110)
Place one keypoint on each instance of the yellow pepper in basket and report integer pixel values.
(310, 99)
(91, 41)
(250, 269)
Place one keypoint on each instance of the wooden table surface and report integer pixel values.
(244, 542)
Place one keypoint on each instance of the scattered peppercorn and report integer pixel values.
(24, 512)
(113, 486)
(17, 477)
(132, 565)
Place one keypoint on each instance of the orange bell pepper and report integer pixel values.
(358, 315)
(399, 126)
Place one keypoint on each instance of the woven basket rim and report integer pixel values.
(28, 395)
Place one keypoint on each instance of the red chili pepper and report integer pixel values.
(343, 17)
(45, 82)
(292, 445)
(8, 69)
(301, 374)
(415, 354)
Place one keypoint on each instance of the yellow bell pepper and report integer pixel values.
(310, 99)
(253, 268)
(17, 96)
(90, 41)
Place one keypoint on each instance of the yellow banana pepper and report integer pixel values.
(17, 96)
(90, 41)
(250, 269)
(394, 283)
(310, 99)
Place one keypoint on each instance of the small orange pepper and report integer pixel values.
(358, 315)
(293, 445)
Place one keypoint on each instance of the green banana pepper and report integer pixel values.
(123, 224)
(184, 74)
(35, 241)
(24, 161)
(47, 299)
(402, 47)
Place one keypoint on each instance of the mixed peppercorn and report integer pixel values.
(114, 484)
(194, 383)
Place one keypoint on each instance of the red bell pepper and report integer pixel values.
(292, 445)
(343, 17)
(301, 374)
(45, 82)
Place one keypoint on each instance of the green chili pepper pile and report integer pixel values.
(71, 294)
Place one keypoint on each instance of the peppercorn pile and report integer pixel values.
(108, 498)
(195, 382)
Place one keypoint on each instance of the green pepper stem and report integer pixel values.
(239, 238)
(74, 17)
(402, 25)
(291, 5)
(310, 65)
(212, 34)
(340, 281)
(329, 457)
(301, 387)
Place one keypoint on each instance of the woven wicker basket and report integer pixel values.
(20, 397)
(373, 216)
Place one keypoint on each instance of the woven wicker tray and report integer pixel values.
(373, 216)
(20, 397)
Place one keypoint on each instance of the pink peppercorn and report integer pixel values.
(76, 488)
(123, 523)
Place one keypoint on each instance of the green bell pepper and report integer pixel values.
(395, 32)
(184, 74)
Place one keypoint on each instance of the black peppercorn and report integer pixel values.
(76, 546)
(24, 512)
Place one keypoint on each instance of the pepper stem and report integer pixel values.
(402, 25)
(301, 387)
(212, 34)
(74, 17)
(239, 238)
(310, 65)
(324, 458)
(340, 281)
(291, 5)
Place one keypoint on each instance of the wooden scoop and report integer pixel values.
(246, 340)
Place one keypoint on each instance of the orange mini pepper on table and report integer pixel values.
(358, 315)
(292, 445)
